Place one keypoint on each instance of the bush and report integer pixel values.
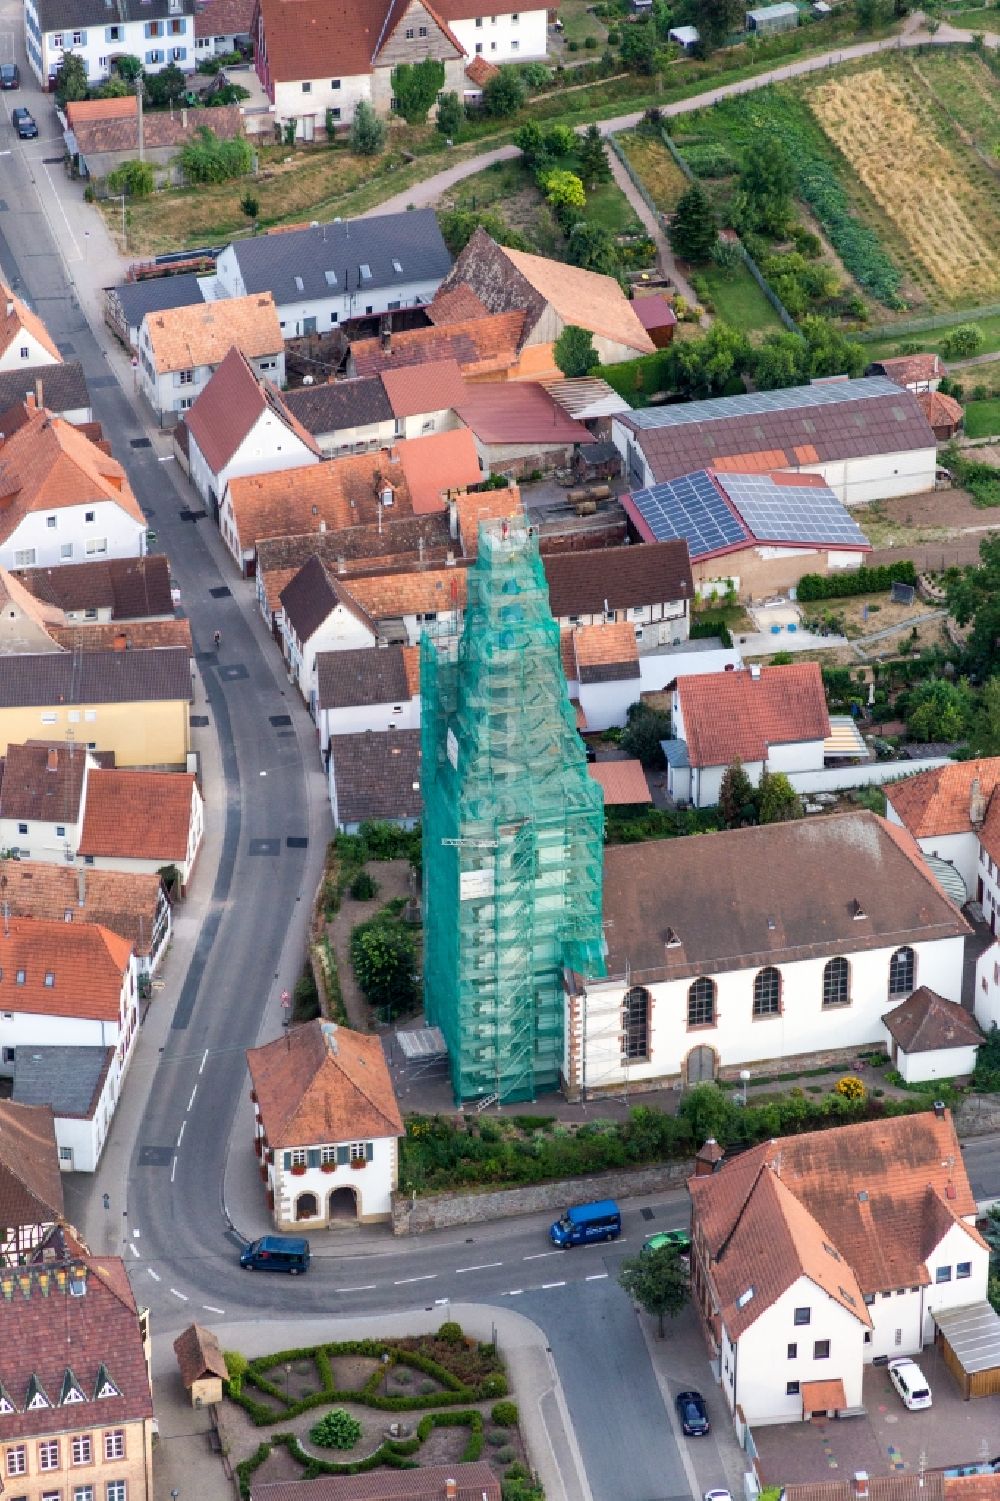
(495, 1385)
(851, 1087)
(337, 1430)
(710, 160)
(859, 581)
(207, 159)
(236, 1365)
(645, 729)
(134, 178)
(590, 43)
(384, 956)
(305, 997)
(363, 887)
(368, 132)
(504, 1414)
(963, 342)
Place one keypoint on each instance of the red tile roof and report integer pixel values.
(474, 1482)
(479, 71)
(42, 780)
(322, 1083)
(938, 801)
(199, 1354)
(730, 715)
(328, 38)
(941, 410)
(223, 18)
(912, 369)
(482, 344)
(461, 303)
(227, 409)
(518, 412)
(926, 1021)
(140, 815)
(30, 1180)
(338, 493)
(88, 964)
(622, 782)
(438, 463)
(126, 902)
(48, 464)
(432, 387)
(484, 505)
(16, 316)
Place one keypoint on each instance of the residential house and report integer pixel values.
(134, 906)
(143, 822)
(439, 467)
(461, 1482)
(327, 274)
(517, 36)
(42, 799)
(222, 26)
(24, 340)
(102, 134)
(157, 32)
(920, 373)
(375, 777)
(649, 586)
(61, 389)
(180, 348)
(814, 1255)
(485, 346)
(868, 439)
(424, 399)
(107, 589)
(326, 1126)
(134, 703)
(127, 635)
(26, 623)
(70, 985)
(750, 534)
(239, 424)
(945, 415)
(75, 1375)
(932, 1485)
(945, 810)
(551, 295)
(829, 922)
(63, 498)
(769, 718)
(360, 689)
(605, 673)
(345, 416)
(77, 1086)
(520, 430)
(931, 1038)
(127, 304)
(31, 1193)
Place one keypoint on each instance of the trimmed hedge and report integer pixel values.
(858, 581)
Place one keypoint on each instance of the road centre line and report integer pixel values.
(515, 1292)
(427, 1277)
(210, 1308)
(204, 1060)
(155, 1275)
(596, 1277)
(173, 1168)
(183, 1296)
(368, 1288)
(180, 1134)
(537, 1255)
(482, 1267)
(193, 1093)
(546, 1286)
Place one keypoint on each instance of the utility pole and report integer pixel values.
(138, 103)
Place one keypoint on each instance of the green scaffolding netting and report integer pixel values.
(512, 830)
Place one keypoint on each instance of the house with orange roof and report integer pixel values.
(239, 424)
(815, 1255)
(62, 498)
(180, 348)
(606, 675)
(326, 1126)
(792, 941)
(24, 339)
(143, 821)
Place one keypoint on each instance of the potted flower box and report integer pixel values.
(328, 1167)
(358, 1162)
(298, 1170)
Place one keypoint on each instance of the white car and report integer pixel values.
(908, 1379)
(718, 1496)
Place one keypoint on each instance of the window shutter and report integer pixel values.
(343, 1156)
(369, 1150)
(288, 1161)
(312, 1156)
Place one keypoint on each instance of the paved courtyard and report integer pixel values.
(888, 1439)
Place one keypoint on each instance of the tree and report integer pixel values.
(458, 225)
(777, 800)
(638, 48)
(415, 86)
(658, 1281)
(830, 351)
(693, 230)
(164, 88)
(564, 192)
(560, 140)
(706, 366)
(71, 79)
(716, 20)
(207, 159)
(530, 142)
(250, 206)
(737, 798)
(963, 342)
(594, 248)
(504, 94)
(383, 957)
(450, 115)
(574, 352)
(767, 181)
(938, 710)
(642, 736)
(367, 135)
(592, 158)
(984, 735)
(134, 178)
(974, 597)
(129, 67)
(781, 360)
(113, 88)
(873, 13)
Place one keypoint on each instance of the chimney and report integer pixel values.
(977, 804)
(859, 1485)
(755, 671)
(10, 307)
(341, 565)
(939, 1109)
(708, 1159)
(452, 519)
(39, 393)
(30, 402)
(81, 887)
(52, 761)
(451, 1490)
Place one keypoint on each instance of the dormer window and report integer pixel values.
(366, 271)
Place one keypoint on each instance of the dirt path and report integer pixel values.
(393, 878)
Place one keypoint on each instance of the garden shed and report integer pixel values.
(969, 1340)
(202, 1365)
(773, 18)
(685, 36)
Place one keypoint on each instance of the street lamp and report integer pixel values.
(288, 1372)
(744, 1080)
(386, 1357)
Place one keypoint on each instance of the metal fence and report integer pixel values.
(661, 219)
(926, 325)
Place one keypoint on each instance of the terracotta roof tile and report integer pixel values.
(131, 588)
(474, 1482)
(605, 653)
(483, 505)
(460, 304)
(313, 38)
(730, 715)
(322, 1083)
(392, 541)
(87, 961)
(518, 412)
(340, 493)
(273, 582)
(124, 635)
(411, 666)
(925, 1021)
(438, 463)
(42, 780)
(388, 595)
(625, 577)
(823, 1396)
(31, 1190)
(48, 464)
(937, 801)
(83, 111)
(95, 137)
(126, 902)
(911, 369)
(15, 315)
(183, 338)
(376, 775)
(227, 409)
(479, 71)
(930, 1486)
(622, 782)
(864, 1184)
(483, 344)
(199, 1354)
(567, 654)
(432, 387)
(223, 18)
(941, 410)
(141, 815)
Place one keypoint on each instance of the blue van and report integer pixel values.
(587, 1222)
(276, 1253)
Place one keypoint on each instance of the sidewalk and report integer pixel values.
(184, 1463)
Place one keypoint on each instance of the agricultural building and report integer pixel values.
(868, 438)
(513, 830)
(773, 18)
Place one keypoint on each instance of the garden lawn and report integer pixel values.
(932, 340)
(737, 299)
(982, 419)
(655, 168)
(579, 22)
(982, 19)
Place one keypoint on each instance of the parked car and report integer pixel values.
(680, 1239)
(585, 1223)
(693, 1414)
(908, 1379)
(10, 76)
(718, 1496)
(276, 1253)
(22, 121)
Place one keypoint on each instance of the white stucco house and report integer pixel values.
(648, 586)
(240, 425)
(69, 985)
(158, 32)
(788, 940)
(180, 348)
(952, 812)
(42, 798)
(24, 339)
(814, 1255)
(928, 1038)
(326, 1126)
(319, 614)
(79, 1086)
(360, 689)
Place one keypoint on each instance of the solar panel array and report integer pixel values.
(792, 398)
(692, 508)
(791, 513)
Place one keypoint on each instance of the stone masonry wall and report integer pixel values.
(412, 1216)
